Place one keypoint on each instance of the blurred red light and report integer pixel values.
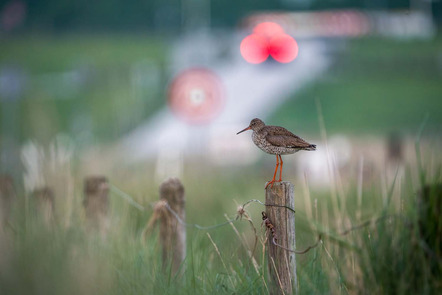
(268, 29)
(283, 48)
(196, 95)
(254, 49)
(268, 38)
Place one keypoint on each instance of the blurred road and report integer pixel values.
(251, 91)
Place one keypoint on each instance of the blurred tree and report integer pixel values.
(169, 15)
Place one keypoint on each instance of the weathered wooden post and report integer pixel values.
(281, 263)
(96, 203)
(44, 201)
(395, 148)
(7, 196)
(172, 229)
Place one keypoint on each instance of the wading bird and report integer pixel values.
(277, 141)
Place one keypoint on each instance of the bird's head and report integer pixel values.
(255, 125)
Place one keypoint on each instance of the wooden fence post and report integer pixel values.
(282, 263)
(96, 203)
(7, 196)
(172, 232)
(44, 201)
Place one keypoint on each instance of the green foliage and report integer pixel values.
(64, 15)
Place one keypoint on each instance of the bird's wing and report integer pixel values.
(280, 136)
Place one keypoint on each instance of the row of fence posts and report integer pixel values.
(172, 227)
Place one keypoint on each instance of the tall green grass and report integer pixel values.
(397, 252)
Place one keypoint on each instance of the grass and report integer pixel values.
(98, 87)
(390, 255)
(91, 87)
(41, 54)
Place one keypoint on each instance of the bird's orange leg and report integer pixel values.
(280, 169)
(274, 175)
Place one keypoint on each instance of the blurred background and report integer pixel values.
(162, 81)
(139, 91)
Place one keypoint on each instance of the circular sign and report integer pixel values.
(196, 96)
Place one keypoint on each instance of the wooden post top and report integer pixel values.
(94, 184)
(172, 188)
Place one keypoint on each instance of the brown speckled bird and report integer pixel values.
(277, 141)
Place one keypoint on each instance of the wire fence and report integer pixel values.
(240, 213)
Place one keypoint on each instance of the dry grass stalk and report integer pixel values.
(220, 257)
(159, 208)
(281, 288)
(244, 242)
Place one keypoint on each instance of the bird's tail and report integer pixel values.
(311, 147)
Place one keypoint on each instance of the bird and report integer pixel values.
(277, 141)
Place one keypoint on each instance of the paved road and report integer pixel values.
(251, 91)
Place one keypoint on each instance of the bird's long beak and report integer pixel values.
(248, 128)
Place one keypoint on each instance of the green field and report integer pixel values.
(374, 86)
(103, 84)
